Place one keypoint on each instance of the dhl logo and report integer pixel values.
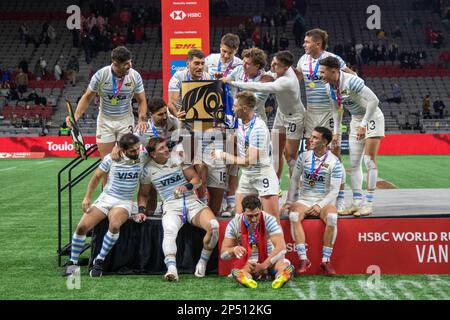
(183, 45)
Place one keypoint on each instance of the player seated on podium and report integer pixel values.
(256, 239)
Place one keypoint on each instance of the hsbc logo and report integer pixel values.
(181, 15)
(178, 15)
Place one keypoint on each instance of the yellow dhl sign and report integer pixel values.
(183, 45)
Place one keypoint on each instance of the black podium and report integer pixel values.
(139, 249)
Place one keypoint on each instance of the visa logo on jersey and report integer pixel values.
(181, 46)
(171, 180)
(128, 175)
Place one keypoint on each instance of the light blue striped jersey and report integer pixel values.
(213, 61)
(165, 177)
(177, 79)
(238, 74)
(102, 84)
(123, 176)
(316, 98)
(169, 131)
(211, 140)
(331, 168)
(258, 138)
(233, 231)
(352, 99)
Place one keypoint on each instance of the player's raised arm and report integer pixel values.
(82, 106)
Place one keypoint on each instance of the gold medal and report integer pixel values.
(114, 101)
(254, 246)
(312, 85)
(312, 183)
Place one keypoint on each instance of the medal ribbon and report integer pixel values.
(227, 70)
(253, 236)
(155, 132)
(184, 217)
(311, 73)
(315, 172)
(116, 88)
(188, 76)
(336, 97)
(250, 128)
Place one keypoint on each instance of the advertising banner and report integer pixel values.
(185, 25)
(390, 245)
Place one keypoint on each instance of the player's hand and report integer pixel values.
(181, 115)
(216, 154)
(361, 133)
(218, 75)
(139, 218)
(260, 269)
(116, 153)
(86, 205)
(286, 206)
(314, 210)
(239, 251)
(69, 122)
(335, 141)
(142, 126)
(226, 80)
(180, 189)
(266, 78)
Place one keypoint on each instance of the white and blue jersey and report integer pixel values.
(214, 64)
(353, 98)
(165, 177)
(330, 169)
(256, 136)
(103, 84)
(316, 97)
(169, 132)
(233, 231)
(123, 176)
(238, 74)
(177, 80)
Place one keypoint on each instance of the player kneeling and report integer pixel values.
(256, 239)
(322, 175)
(115, 202)
(175, 184)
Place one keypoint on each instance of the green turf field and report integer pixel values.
(28, 259)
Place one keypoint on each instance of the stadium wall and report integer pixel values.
(392, 144)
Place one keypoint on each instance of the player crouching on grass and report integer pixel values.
(115, 202)
(175, 183)
(256, 239)
(322, 175)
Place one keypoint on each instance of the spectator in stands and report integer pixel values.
(58, 72)
(256, 37)
(139, 33)
(426, 107)
(381, 35)
(43, 66)
(266, 42)
(274, 44)
(299, 30)
(25, 121)
(396, 94)
(125, 17)
(284, 42)
(73, 67)
(393, 51)
(63, 130)
(439, 108)
(118, 40)
(6, 75)
(23, 33)
(33, 97)
(444, 59)
(51, 33)
(397, 33)
(23, 64)
(358, 50)
(22, 81)
(16, 122)
(36, 122)
(51, 100)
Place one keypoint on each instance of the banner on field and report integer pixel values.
(391, 245)
(48, 146)
(185, 25)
